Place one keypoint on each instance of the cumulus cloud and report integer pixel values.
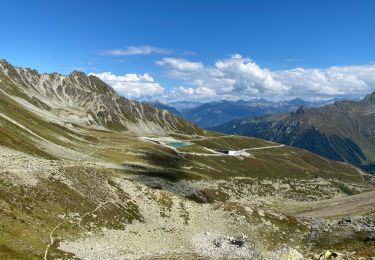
(181, 65)
(334, 81)
(137, 50)
(132, 85)
(237, 77)
(189, 93)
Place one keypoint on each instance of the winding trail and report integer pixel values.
(208, 138)
(216, 153)
(52, 240)
(357, 169)
(263, 147)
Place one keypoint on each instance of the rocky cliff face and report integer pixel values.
(343, 131)
(85, 100)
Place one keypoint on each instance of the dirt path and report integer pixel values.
(215, 153)
(263, 147)
(51, 237)
(211, 137)
(356, 204)
(203, 154)
(52, 240)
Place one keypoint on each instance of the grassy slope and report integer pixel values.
(115, 146)
(28, 214)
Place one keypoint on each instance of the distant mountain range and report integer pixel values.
(215, 113)
(166, 107)
(185, 105)
(342, 131)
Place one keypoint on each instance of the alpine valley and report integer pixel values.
(88, 174)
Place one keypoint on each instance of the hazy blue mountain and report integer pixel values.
(216, 113)
(184, 105)
(171, 109)
(343, 131)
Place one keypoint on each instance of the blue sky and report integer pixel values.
(200, 49)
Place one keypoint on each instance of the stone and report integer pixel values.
(238, 243)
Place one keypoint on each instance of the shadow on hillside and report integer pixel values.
(169, 175)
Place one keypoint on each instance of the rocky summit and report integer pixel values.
(86, 101)
(87, 174)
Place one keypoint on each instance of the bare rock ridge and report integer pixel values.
(85, 100)
(370, 98)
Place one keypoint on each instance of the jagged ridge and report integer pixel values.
(85, 100)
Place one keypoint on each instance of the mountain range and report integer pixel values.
(169, 108)
(88, 174)
(214, 113)
(85, 100)
(342, 131)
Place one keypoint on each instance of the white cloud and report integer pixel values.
(333, 81)
(131, 85)
(237, 77)
(181, 65)
(137, 50)
(248, 77)
(188, 93)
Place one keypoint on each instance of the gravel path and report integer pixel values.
(356, 204)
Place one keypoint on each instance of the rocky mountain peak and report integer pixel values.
(77, 73)
(3, 61)
(5, 65)
(370, 98)
(300, 110)
(87, 101)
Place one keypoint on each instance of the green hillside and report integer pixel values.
(87, 187)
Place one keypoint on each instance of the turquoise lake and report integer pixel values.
(178, 144)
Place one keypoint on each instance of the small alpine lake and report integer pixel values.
(178, 144)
